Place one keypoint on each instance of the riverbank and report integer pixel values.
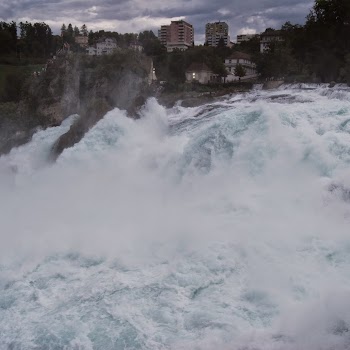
(17, 126)
(194, 95)
(90, 88)
(83, 85)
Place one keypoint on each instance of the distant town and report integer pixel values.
(317, 51)
(45, 77)
(179, 36)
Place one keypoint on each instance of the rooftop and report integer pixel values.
(240, 55)
(198, 67)
(269, 32)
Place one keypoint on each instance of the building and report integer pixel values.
(215, 31)
(81, 40)
(102, 47)
(106, 46)
(246, 37)
(178, 35)
(152, 73)
(136, 45)
(201, 73)
(268, 37)
(91, 51)
(243, 59)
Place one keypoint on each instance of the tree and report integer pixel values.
(176, 66)
(70, 31)
(8, 37)
(13, 86)
(240, 71)
(327, 33)
(251, 47)
(331, 12)
(221, 43)
(84, 30)
(5, 42)
(63, 29)
(36, 40)
(146, 35)
(91, 37)
(217, 65)
(76, 31)
(151, 45)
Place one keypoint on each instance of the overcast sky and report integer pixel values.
(242, 16)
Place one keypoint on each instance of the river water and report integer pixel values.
(224, 226)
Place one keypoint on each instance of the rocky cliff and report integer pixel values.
(83, 85)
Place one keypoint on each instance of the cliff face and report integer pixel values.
(83, 85)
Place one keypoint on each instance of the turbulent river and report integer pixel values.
(225, 226)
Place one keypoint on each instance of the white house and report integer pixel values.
(81, 40)
(268, 37)
(136, 45)
(152, 73)
(106, 46)
(244, 60)
(200, 72)
(102, 47)
(91, 51)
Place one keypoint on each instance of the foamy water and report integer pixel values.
(224, 226)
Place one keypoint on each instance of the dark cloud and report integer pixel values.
(136, 15)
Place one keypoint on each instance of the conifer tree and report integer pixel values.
(76, 31)
(63, 29)
(84, 30)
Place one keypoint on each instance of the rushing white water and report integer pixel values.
(224, 226)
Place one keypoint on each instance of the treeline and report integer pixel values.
(318, 51)
(27, 42)
(69, 34)
(24, 48)
(8, 38)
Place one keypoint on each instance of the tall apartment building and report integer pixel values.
(178, 35)
(215, 31)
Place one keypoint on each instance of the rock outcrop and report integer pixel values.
(83, 85)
